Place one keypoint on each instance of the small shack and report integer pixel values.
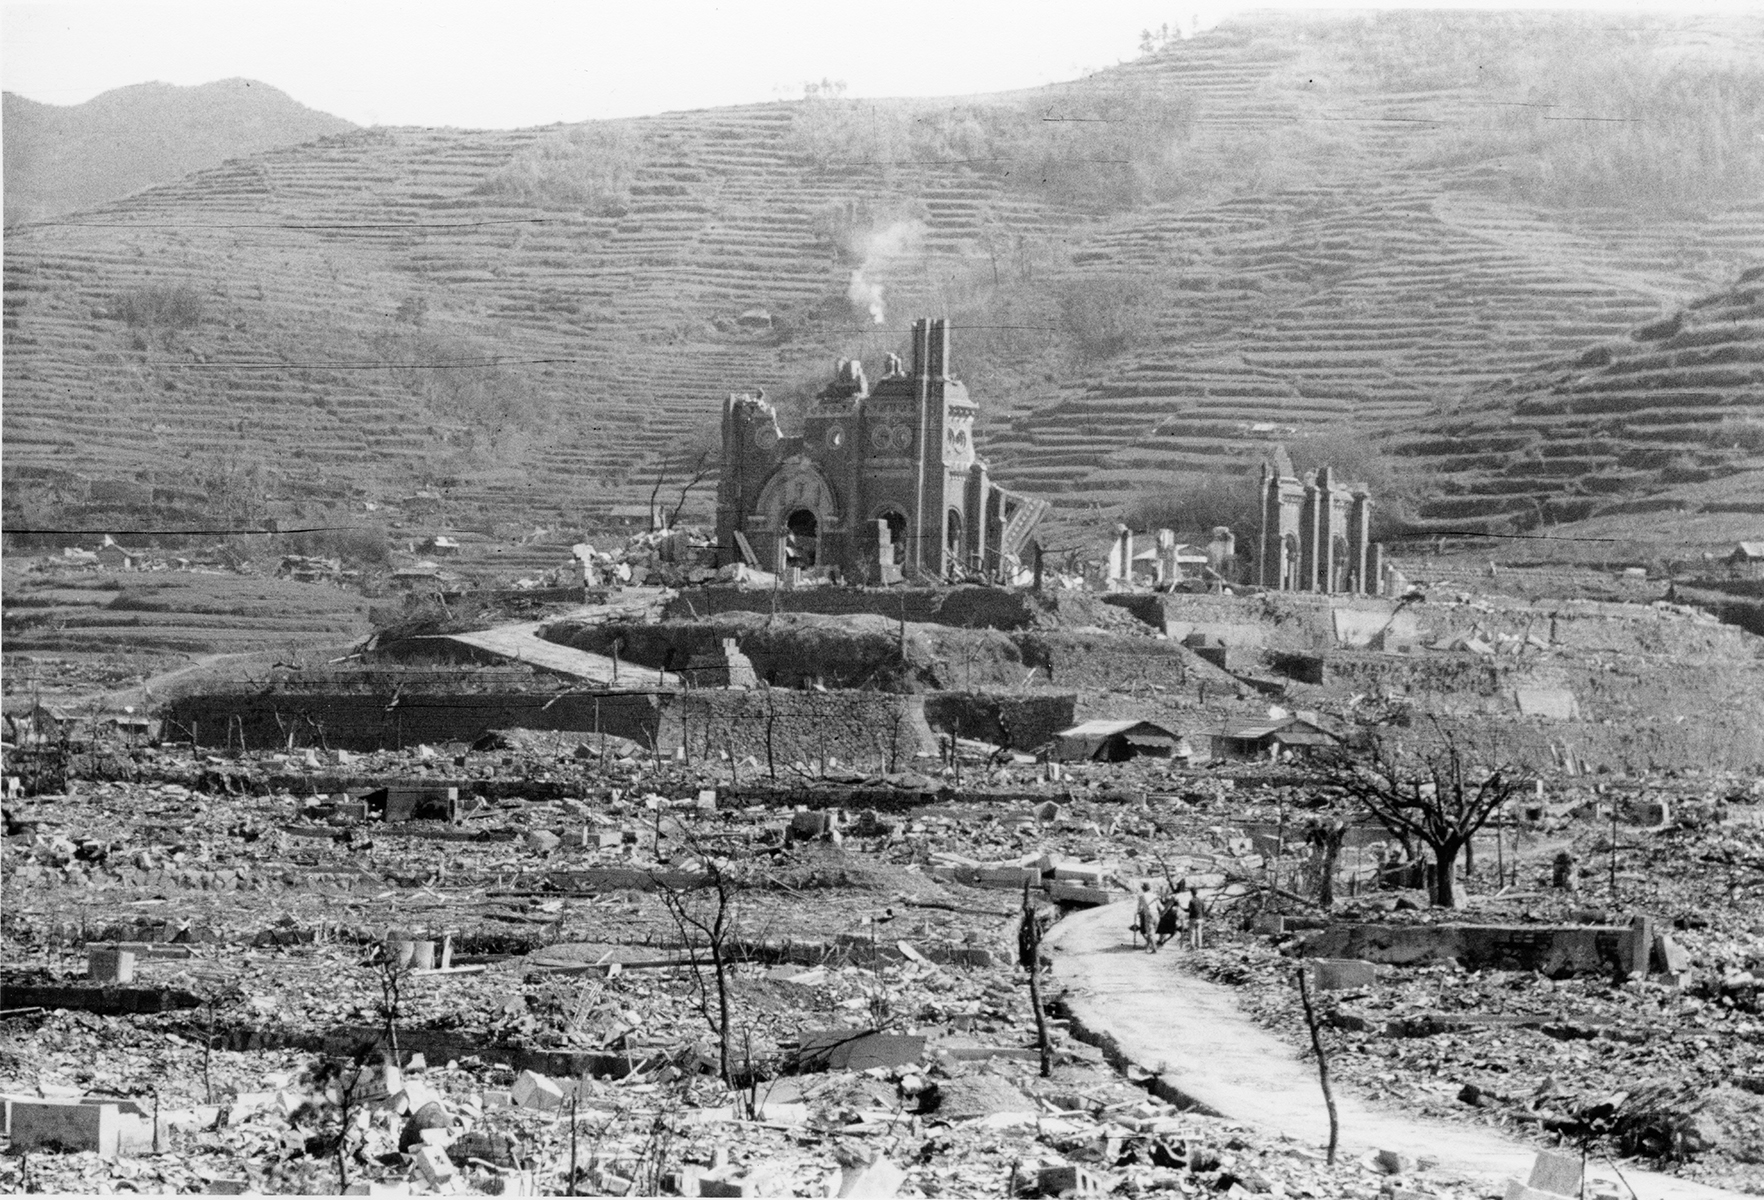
(1747, 558)
(117, 558)
(1115, 741)
(1272, 737)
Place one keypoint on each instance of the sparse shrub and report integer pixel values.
(833, 132)
(1106, 315)
(1096, 147)
(459, 381)
(361, 545)
(412, 310)
(161, 308)
(1197, 505)
(590, 166)
(1739, 433)
(1584, 113)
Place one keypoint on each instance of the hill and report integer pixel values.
(1667, 419)
(63, 158)
(1287, 224)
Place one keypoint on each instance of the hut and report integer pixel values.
(1116, 741)
(1272, 737)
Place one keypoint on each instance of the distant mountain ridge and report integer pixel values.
(61, 159)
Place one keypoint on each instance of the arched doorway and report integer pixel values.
(1340, 569)
(954, 537)
(802, 538)
(1289, 559)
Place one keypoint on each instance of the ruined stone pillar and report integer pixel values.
(1362, 577)
(1310, 525)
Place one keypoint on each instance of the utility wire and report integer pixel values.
(113, 531)
(344, 226)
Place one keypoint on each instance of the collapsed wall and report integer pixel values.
(1021, 722)
(808, 650)
(392, 720)
(877, 731)
(1557, 951)
(971, 607)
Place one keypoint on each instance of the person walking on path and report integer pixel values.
(1197, 913)
(1169, 918)
(1146, 923)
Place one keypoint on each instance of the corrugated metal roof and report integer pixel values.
(1104, 729)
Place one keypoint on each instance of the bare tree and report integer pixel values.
(1029, 931)
(1324, 833)
(706, 913)
(391, 970)
(1436, 788)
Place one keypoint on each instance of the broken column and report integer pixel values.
(1121, 559)
(1169, 570)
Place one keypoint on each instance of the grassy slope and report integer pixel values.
(1337, 246)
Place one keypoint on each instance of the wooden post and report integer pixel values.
(1322, 1063)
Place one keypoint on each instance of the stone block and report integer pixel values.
(1012, 878)
(1670, 957)
(1558, 1174)
(1519, 1191)
(434, 1164)
(856, 1049)
(1070, 1181)
(807, 823)
(871, 1181)
(1393, 1162)
(1342, 974)
(63, 1125)
(1089, 874)
(1273, 924)
(105, 965)
(421, 804)
(1063, 892)
(228, 1187)
(707, 799)
(1638, 945)
(533, 1090)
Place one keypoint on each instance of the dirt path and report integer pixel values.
(1190, 1033)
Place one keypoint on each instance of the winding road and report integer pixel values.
(1190, 1033)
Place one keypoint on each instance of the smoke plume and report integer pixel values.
(875, 248)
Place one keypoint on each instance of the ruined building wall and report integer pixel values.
(871, 731)
(392, 720)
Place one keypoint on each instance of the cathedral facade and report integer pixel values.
(1315, 534)
(882, 484)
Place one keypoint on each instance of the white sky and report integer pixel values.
(503, 63)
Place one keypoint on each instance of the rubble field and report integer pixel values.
(542, 956)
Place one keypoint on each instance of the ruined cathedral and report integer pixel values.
(882, 484)
(1315, 534)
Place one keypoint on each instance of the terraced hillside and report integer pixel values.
(531, 324)
(1667, 419)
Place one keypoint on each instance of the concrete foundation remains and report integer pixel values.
(1555, 950)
